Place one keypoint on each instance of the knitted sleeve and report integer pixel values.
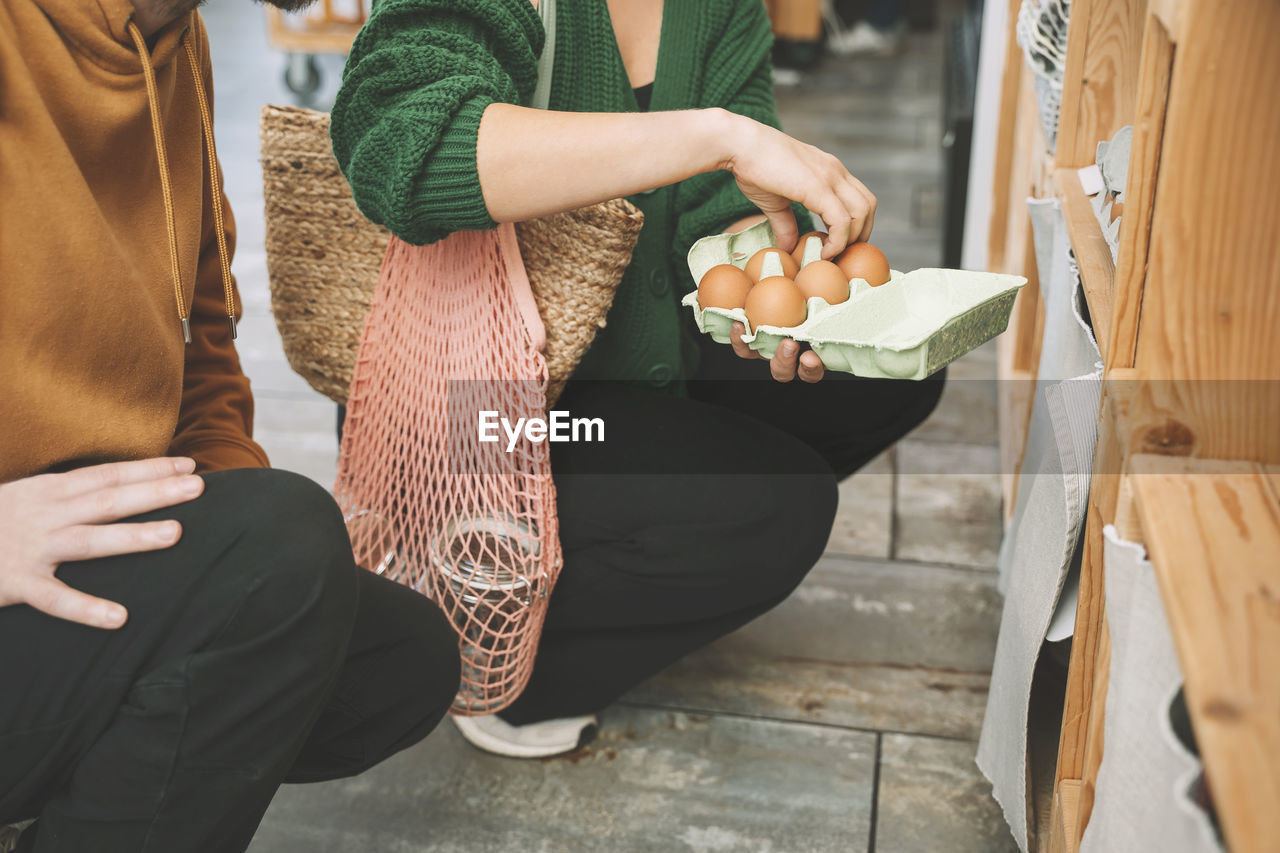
(418, 78)
(739, 79)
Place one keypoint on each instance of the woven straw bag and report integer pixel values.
(323, 258)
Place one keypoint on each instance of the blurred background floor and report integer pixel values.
(846, 719)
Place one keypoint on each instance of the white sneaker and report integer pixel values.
(535, 740)
(786, 77)
(864, 40)
(9, 835)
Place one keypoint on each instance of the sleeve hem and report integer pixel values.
(221, 453)
(448, 191)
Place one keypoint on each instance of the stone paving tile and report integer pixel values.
(860, 643)
(864, 516)
(872, 697)
(932, 798)
(947, 509)
(653, 782)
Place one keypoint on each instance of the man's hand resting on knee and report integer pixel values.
(52, 519)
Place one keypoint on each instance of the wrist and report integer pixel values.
(721, 138)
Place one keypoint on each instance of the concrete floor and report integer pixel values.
(846, 719)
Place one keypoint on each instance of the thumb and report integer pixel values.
(52, 596)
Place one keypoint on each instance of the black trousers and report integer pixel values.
(695, 515)
(255, 653)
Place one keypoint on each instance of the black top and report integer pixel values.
(644, 94)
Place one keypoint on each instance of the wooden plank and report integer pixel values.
(1140, 190)
(1127, 524)
(1100, 82)
(1029, 308)
(1079, 705)
(330, 34)
(1072, 77)
(1210, 304)
(1093, 255)
(1025, 163)
(1095, 731)
(1273, 478)
(1167, 12)
(1006, 140)
(1067, 809)
(1213, 535)
(798, 20)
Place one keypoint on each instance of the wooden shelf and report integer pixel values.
(1212, 531)
(1066, 815)
(1093, 255)
(329, 34)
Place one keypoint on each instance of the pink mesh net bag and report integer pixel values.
(454, 331)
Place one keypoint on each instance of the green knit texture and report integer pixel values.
(421, 73)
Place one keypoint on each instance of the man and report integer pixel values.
(181, 628)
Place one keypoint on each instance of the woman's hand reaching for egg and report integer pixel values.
(772, 170)
(787, 363)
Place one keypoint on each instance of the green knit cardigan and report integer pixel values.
(421, 73)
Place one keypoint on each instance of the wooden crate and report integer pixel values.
(1187, 323)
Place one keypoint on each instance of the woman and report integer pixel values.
(721, 487)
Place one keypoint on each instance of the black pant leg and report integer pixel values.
(401, 672)
(687, 522)
(173, 733)
(848, 419)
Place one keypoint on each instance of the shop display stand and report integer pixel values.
(1188, 324)
(324, 28)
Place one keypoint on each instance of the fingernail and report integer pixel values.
(113, 616)
(184, 465)
(167, 534)
(191, 486)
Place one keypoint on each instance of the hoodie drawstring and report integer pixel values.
(215, 178)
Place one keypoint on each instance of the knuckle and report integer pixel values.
(106, 502)
(106, 476)
(44, 597)
(78, 541)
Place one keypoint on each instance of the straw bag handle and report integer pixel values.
(547, 60)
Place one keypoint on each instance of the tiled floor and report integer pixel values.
(844, 720)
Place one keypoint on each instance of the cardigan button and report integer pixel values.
(658, 282)
(661, 373)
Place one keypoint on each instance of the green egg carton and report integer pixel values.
(908, 328)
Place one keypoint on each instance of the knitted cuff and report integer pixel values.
(448, 189)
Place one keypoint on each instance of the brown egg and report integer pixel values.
(797, 254)
(864, 261)
(789, 265)
(824, 280)
(776, 301)
(723, 286)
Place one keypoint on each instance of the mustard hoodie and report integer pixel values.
(93, 366)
